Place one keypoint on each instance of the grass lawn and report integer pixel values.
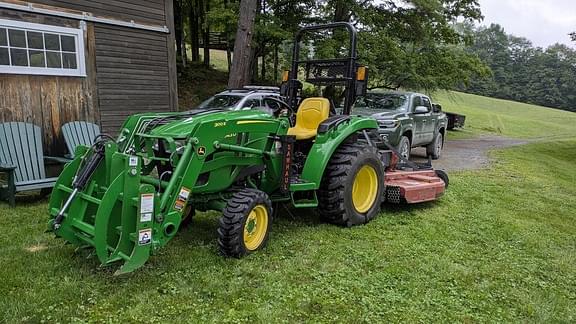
(500, 246)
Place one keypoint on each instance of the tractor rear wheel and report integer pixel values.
(352, 186)
(245, 223)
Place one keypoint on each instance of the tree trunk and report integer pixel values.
(228, 55)
(179, 32)
(341, 11)
(240, 71)
(275, 63)
(194, 32)
(263, 74)
(206, 33)
(228, 49)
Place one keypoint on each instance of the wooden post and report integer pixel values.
(240, 71)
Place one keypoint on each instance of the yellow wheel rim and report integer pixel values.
(256, 227)
(365, 189)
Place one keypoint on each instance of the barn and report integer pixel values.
(89, 60)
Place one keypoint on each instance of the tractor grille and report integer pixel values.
(393, 194)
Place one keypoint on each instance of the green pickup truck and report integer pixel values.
(406, 120)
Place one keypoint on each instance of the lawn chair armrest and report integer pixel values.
(57, 159)
(6, 167)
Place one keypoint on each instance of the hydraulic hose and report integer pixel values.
(82, 179)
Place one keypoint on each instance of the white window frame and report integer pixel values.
(77, 33)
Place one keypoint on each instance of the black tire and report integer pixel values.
(434, 149)
(335, 196)
(444, 176)
(235, 218)
(404, 147)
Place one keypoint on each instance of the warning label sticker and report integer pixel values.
(182, 198)
(146, 207)
(146, 203)
(145, 236)
(133, 161)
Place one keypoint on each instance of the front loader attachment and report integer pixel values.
(113, 213)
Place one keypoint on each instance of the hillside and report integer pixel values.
(508, 118)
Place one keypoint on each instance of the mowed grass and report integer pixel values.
(506, 118)
(499, 246)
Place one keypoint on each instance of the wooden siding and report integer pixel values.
(128, 71)
(132, 74)
(148, 11)
(50, 101)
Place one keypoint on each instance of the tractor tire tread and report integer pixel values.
(231, 227)
(331, 193)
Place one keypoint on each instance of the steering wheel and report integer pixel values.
(278, 107)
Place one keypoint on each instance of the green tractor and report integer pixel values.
(127, 197)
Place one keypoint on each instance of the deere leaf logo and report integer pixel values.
(201, 151)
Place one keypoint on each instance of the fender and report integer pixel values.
(327, 143)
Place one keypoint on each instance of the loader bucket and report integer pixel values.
(113, 214)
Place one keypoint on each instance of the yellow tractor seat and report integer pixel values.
(311, 113)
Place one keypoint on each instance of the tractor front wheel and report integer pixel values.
(352, 186)
(245, 223)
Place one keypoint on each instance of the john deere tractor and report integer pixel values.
(127, 197)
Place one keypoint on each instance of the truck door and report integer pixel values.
(420, 121)
(430, 124)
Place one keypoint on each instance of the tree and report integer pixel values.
(523, 72)
(179, 32)
(417, 45)
(240, 70)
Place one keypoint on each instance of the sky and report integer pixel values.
(544, 22)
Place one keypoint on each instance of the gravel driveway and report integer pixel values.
(467, 154)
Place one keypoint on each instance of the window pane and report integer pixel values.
(19, 57)
(52, 42)
(68, 43)
(3, 38)
(37, 59)
(4, 58)
(53, 59)
(69, 60)
(35, 40)
(17, 38)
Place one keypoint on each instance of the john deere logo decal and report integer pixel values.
(201, 151)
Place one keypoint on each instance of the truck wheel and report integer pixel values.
(434, 149)
(245, 223)
(352, 186)
(404, 147)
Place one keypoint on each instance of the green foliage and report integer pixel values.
(411, 44)
(523, 72)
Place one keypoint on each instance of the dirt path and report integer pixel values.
(467, 154)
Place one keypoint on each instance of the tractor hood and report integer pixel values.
(183, 125)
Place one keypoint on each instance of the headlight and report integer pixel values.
(388, 123)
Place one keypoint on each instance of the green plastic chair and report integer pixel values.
(79, 133)
(22, 159)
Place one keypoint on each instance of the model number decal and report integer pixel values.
(219, 124)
